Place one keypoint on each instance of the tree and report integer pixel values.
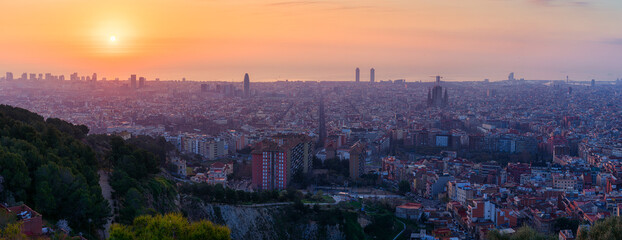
(403, 187)
(565, 223)
(610, 228)
(169, 226)
(46, 167)
(15, 172)
(12, 231)
(496, 235)
(63, 225)
(132, 206)
(523, 233)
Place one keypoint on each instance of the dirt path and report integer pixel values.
(107, 193)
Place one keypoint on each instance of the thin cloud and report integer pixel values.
(351, 7)
(558, 3)
(326, 4)
(614, 41)
(296, 3)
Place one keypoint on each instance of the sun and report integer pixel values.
(113, 38)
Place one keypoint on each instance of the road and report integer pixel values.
(398, 235)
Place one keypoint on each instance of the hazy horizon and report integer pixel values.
(314, 40)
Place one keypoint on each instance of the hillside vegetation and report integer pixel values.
(44, 164)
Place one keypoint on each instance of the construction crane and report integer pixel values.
(438, 79)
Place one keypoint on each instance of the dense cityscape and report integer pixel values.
(311, 119)
(443, 159)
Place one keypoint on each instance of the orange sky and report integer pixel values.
(210, 40)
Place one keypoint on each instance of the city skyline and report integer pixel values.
(75, 76)
(216, 40)
(310, 119)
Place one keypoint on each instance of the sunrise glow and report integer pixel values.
(216, 40)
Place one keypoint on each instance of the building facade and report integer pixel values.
(277, 159)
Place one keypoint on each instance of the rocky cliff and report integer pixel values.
(263, 222)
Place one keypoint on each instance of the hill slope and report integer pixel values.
(44, 164)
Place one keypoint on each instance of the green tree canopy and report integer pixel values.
(523, 233)
(46, 166)
(610, 228)
(169, 226)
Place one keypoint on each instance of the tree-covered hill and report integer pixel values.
(44, 164)
(135, 167)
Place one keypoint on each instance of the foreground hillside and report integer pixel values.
(44, 164)
(50, 165)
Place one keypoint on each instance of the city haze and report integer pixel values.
(314, 40)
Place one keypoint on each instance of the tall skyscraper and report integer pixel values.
(372, 75)
(511, 77)
(133, 81)
(33, 76)
(593, 82)
(247, 86)
(94, 78)
(436, 98)
(24, 76)
(322, 127)
(9, 76)
(357, 75)
(141, 82)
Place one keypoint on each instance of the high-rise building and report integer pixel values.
(133, 81)
(322, 127)
(247, 86)
(357, 75)
(141, 82)
(9, 76)
(211, 148)
(511, 77)
(436, 97)
(74, 77)
(357, 160)
(24, 76)
(593, 82)
(277, 159)
(33, 76)
(372, 75)
(94, 78)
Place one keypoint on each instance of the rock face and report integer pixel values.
(262, 223)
